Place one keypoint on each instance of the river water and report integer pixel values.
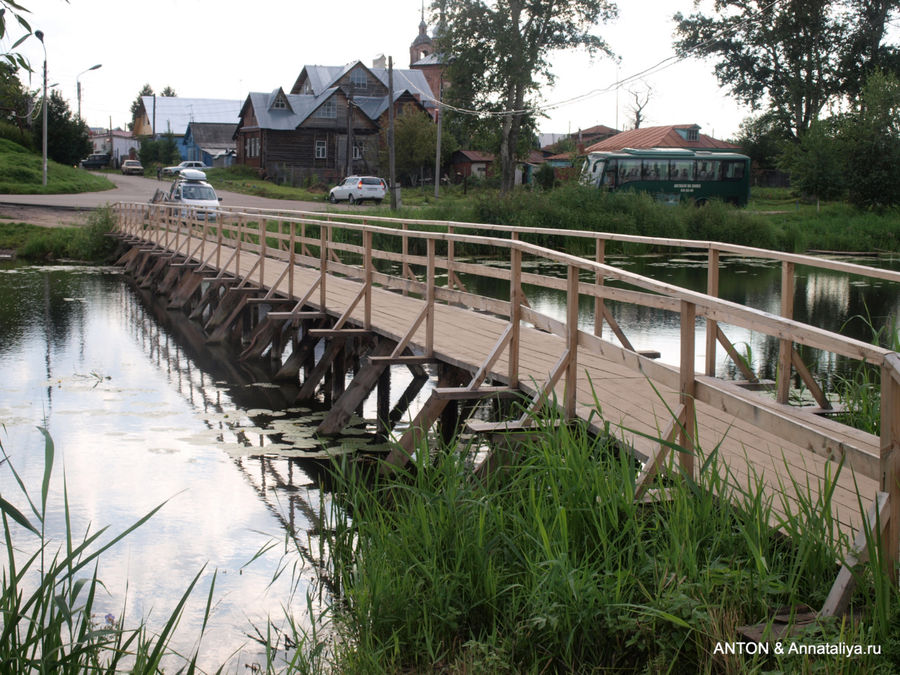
(142, 413)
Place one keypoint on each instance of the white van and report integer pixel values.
(190, 189)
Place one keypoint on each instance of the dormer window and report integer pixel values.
(280, 103)
(327, 110)
(693, 134)
(359, 80)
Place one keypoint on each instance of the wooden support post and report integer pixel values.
(323, 265)
(686, 435)
(712, 288)
(357, 392)
(292, 261)
(318, 372)
(429, 301)
(383, 403)
(405, 272)
(262, 228)
(890, 461)
(571, 342)
(369, 269)
(783, 383)
(599, 280)
(515, 314)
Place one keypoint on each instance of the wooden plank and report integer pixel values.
(653, 465)
(466, 394)
(333, 332)
(404, 359)
(839, 596)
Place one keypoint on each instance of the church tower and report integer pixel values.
(422, 46)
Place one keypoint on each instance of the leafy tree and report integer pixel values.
(168, 91)
(871, 144)
(816, 163)
(498, 56)
(866, 51)
(68, 139)
(762, 139)
(146, 90)
(795, 56)
(162, 151)
(15, 105)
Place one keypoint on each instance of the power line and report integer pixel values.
(665, 63)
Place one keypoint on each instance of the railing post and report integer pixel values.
(450, 255)
(515, 313)
(262, 227)
(240, 241)
(367, 255)
(599, 280)
(571, 341)
(686, 435)
(890, 462)
(783, 384)
(292, 258)
(712, 288)
(404, 252)
(429, 299)
(323, 263)
(219, 245)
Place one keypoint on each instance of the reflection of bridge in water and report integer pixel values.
(336, 304)
(225, 392)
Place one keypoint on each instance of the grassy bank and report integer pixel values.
(21, 173)
(89, 243)
(550, 566)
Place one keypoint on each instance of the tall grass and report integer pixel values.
(89, 243)
(550, 565)
(47, 621)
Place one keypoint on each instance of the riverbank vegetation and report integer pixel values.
(549, 565)
(21, 173)
(90, 243)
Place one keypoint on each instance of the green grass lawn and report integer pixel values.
(21, 174)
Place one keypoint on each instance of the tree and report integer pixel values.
(641, 100)
(762, 138)
(146, 90)
(68, 139)
(15, 105)
(498, 56)
(816, 163)
(785, 54)
(866, 51)
(168, 91)
(871, 144)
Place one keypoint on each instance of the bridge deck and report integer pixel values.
(633, 393)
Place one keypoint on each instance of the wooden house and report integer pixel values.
(329, 125)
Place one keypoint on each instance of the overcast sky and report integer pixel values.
(225, 49)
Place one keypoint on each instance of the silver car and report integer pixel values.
(355, 189)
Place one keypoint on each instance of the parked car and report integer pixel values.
(355, 189)
(132, 166)
(187, 164)
(98, 160)
(190, 191)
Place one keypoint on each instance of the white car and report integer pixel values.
(355, 189)
(187, 164)
(191, 191)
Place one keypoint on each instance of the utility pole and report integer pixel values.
(40, 36)
(437, 154)
(391, 170)
(349, 170)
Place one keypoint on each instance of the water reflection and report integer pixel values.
(140, 416)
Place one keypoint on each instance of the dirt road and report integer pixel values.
(56, 210)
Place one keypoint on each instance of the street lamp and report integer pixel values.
(39, 34)
(78, 85)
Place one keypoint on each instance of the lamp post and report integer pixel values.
(78, 85)
(39, 34)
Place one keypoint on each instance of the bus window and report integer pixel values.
(707, 170)
(681, 169)
(733, 170)
(609, 174)
(629, 170)
(655, 170)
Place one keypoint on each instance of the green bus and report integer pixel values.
(672, 175)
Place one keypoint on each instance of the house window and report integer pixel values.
(327, 110)
(359, 80)
(357, 152)
(321, 150)
(251, 147)
(280, 103)
(693, 135)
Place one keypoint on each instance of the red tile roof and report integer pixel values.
(661, 137)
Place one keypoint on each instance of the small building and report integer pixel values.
(672, 136)
(119, 145)
(211, 143)
(468, 163)
(159, 115)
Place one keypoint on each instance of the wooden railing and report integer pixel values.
(310, 240)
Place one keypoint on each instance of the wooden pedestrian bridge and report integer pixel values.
(354, 295)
